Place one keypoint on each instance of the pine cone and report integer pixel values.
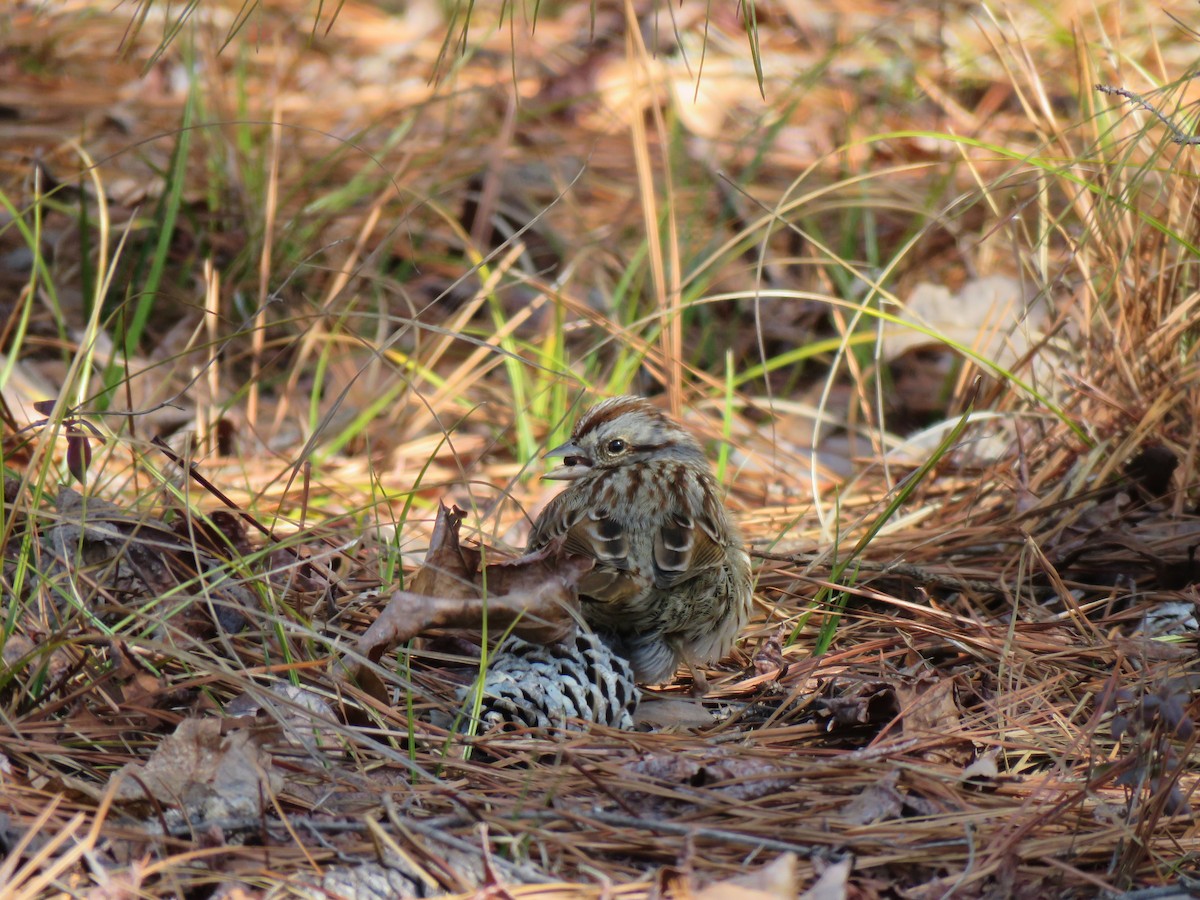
(543, 686)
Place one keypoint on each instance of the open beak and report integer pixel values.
(575, 463)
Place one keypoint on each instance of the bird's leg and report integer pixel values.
(700, 686)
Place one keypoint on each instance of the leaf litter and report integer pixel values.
(878, 753)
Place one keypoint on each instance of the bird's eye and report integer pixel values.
(616, 446)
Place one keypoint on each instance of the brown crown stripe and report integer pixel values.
(607, 412)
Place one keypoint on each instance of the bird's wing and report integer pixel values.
(593, 533)
(685, 544)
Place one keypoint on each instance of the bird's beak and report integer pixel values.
(575, 463)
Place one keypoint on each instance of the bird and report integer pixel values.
(671, 581)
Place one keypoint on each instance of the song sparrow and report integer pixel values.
(671, 580)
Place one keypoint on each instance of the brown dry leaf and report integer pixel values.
(833, 883)
(987, 315)
(135, 699)
(769, 657)
(140, 700)
(983, 768)
(854, 703)
(101, 545)
(929, 710)
(95, 534)
(19, 651)
(928, 707)
(732, 775)
(535, 594)
(924, 707)
(778, 880)
(449, 569)
(666, 712)
(875, 803)
(995, 317)
(204, 773)
(304, 716)
(121, 885)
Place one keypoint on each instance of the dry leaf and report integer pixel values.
(987, 315)
(204, 773)
(769, 657)
(928, 707)
(832, 885)
(984, 768)
(778, 880)
(875, 803)
(97, 541)
(854, 703)
(733, 776)
(678, 712)
(535, 594)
